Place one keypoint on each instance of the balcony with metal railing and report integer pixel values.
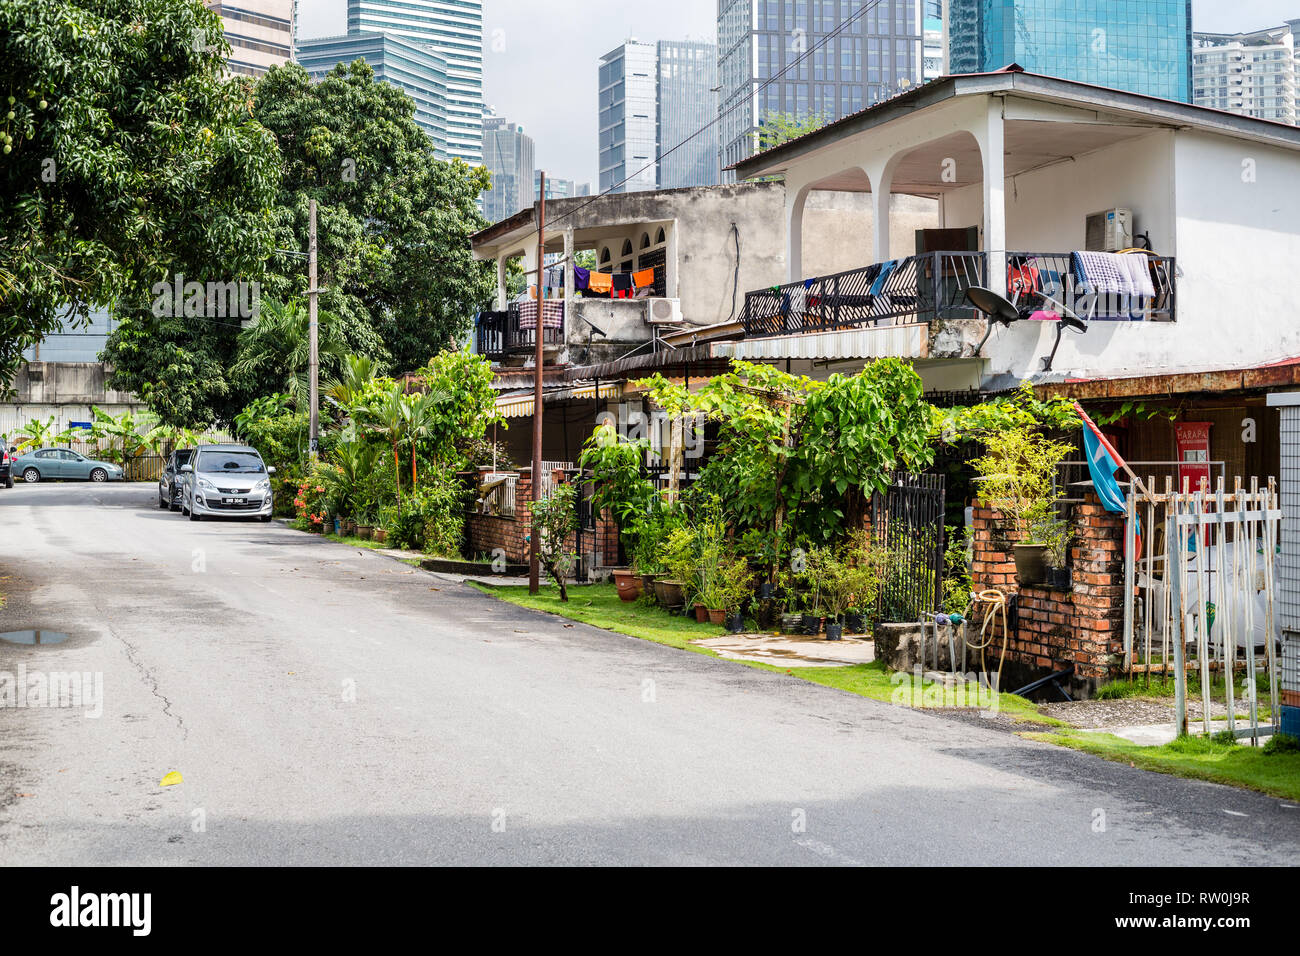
(932, 288)
(513, 333)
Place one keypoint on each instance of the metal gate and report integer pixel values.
(907, 522)
(1202, 598)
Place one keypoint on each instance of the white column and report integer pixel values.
(794, 205)
(672, 274)
(882, 183)
(501, 281)
(992, 143)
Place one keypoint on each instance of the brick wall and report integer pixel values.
(1083, 626)
(486, 533)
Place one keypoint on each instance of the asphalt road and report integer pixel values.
(327, 706)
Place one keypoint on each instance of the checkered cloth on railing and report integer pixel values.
(552, 315)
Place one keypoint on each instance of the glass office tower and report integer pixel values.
(1142, 46)
(870, 53)
(415, 69)
(453, 29)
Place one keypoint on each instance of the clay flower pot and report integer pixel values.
(717, 616)
(628, 584)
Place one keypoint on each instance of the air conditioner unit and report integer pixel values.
(1109, 231)
(664, 312)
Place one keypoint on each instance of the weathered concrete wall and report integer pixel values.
(63, 391)
(838, 229)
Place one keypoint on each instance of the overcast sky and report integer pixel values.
(540, 58)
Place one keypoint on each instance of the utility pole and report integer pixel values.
(534, 565)
(314, 364)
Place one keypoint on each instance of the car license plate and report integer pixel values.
(234, 501)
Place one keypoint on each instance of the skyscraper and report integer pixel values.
(453, 29)
(1256, 74)
(260, 33)
(508, 155)
(629, 139)
(557, 188)
(1141, 47)
(876, 52)
(416, 70)
(653, 98)
(932, 39)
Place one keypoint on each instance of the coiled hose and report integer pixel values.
(993, 602)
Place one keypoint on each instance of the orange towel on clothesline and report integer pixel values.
(643, 279)
(600, 282)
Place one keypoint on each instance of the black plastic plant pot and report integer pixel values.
(812, 625)
(855, 623)
(736, 623)
(791, 623)
(834, 631)
(766, 591)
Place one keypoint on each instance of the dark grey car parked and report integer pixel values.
(170, 484)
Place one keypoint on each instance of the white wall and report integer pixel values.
(1237, 244)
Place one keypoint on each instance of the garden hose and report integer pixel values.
(995, 602)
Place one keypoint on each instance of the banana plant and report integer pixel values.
(38, 434)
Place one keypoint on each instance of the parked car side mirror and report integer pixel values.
(187, 469)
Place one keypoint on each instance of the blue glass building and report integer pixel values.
(1141, 46)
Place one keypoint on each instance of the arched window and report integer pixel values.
(645, 240)
(605, 257)
(627, 247)
(662, 237)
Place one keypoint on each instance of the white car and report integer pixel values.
(226, 481)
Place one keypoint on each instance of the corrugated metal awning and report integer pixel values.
(521, 406)
(890, 341)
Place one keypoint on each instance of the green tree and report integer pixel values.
(274, 354)
(127, 158)
(777, 128)
(394, 220)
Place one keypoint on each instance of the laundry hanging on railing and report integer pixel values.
(1109, 273)
(552, 315)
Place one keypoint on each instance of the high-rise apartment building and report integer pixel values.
(1256, 74)
(654, 98)
(932, 39)
(260, 33)
(453, 29)
(415, 69)
(508, 154)
(1142, 47)
(808, 59)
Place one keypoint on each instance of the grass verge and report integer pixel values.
(600, 606)
(1198, 758)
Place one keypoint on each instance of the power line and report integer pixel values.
(848, 21)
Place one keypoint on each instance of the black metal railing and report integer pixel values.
(1052, 275)
(916, 289)
(908, 524)
(932, 287)
(513, 332)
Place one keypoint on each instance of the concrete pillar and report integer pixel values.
(882, 184)
(672, 274)
(794, 206)
(501, 281)
(992, 141)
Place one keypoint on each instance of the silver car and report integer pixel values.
(226, 481)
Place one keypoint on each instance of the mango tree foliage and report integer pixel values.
(394, 220)
(127, 158)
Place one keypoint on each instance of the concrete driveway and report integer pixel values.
(329, 706)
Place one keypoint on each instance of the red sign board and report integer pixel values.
(1193, 453)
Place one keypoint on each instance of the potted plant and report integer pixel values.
(365, 526)
(620, 487)
(676, 555)
(1055, 533)
(728, 588)
(859, 581)
(1017, 476)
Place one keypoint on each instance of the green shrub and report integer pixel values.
(1282, 744)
